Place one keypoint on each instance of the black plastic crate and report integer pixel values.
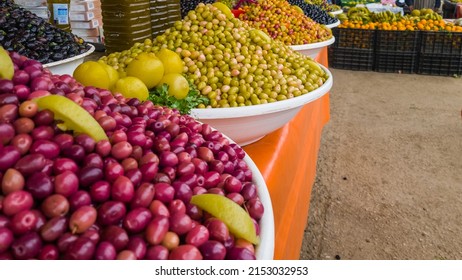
(441, 43)
(351, 59)
(395, 62)
(353, 38)
(401, 41)
(440, 65)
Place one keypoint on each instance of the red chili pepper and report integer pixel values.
(237, 12)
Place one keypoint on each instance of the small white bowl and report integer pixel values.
(337, 12)
(264, 250)
(312, 50)
(68, 65)
(333, 25)
(248, 124)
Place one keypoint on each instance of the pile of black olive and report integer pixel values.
(190, 5)
(32, 36)
(314, 12)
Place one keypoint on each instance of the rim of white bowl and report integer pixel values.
(338, 12)
(266, 222)
(64, 61)
(313, 45)
(262, 109)
(335, 24)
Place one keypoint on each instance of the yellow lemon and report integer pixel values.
(178, 86)
(92, 73)
(111, 72)
(260, 34)
(146, 67)
(73, 116)
(171, 60)
(298, 9)
(234, 216)
(131, 87)
(6, 65)
(225, 9)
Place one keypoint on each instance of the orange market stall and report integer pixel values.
(287, 160)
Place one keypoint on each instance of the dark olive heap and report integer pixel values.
(314, 12)
(190, 5)
(24, 32)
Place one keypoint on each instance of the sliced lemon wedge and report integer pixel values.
(234, 216)
(73, 116)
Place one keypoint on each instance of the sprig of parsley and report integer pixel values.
(161, 97)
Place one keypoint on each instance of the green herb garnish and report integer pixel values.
(160, 96)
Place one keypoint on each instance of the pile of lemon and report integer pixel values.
(146, 71)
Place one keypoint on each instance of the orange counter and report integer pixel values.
(287, 159)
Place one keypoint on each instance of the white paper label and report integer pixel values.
(61, 13)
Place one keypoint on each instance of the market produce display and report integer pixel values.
(229, 62)
(284, 22)
(331, 7)
(314, 12)
(24, 32)
(324, 5)
(353, 3)
(87, 174)
(424, 20)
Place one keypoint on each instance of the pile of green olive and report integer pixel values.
(229, 62)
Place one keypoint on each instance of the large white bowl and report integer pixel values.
(312, 50)
(333, 25)
(249, 124)
(264, 250)
(68, 65)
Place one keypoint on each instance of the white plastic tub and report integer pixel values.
(333, 25)
(264, 250)
(248, 124)
(68, 65)
(312, 50)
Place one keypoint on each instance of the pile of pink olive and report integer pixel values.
(65, 196)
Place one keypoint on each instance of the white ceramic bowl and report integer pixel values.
(333, 25)
(68, 65)
(248, 124)
(337, 12)
(312, 50)
(265, 250)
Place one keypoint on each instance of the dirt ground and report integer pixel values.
(389, 174)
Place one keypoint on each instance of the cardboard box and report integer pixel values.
(42, 12)
(93, 39)
(84, 6)
(93, 32)
(85, 24)
(31, 3)
(81, 16)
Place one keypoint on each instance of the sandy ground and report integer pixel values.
(389, 175)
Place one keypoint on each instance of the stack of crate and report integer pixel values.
(86, 20)
(38, 7)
